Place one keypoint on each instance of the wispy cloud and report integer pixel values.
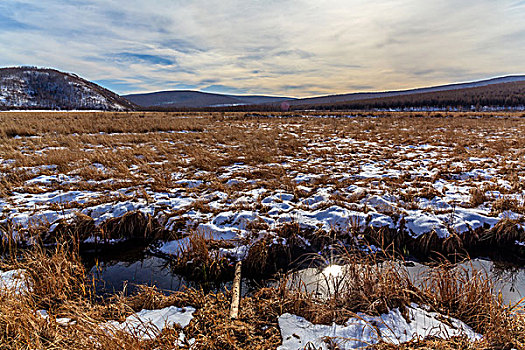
(143, 58)
(223, 89)
(281, 47)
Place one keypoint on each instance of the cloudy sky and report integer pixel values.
(279, 47)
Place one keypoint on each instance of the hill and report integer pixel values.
(342, 98)
(43, 88)
(197, 99)
(503, 92)
(509, 94)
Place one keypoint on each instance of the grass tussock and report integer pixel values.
(362, 285)
(469, 295)
(151, 152)
(286, 249)
(477, 197)
(197, 261)
(72, 232)
(132, 225)
(59, 286)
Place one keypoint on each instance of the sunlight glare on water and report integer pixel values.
(333, 270)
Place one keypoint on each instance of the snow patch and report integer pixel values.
(147, 324)
(14, 281)
(365, 330)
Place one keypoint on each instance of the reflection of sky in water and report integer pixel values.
(151, 271)
(509, 280)
(111, 277)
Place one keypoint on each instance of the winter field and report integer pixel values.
(356, 199)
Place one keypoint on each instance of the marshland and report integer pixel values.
(369, 229)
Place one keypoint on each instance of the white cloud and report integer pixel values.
(291, 47)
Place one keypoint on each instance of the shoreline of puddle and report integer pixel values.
(124, 271)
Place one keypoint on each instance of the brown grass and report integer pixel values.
(373, 288)
(59, 286)
(198, 262)
(146, 152)
(477, 197)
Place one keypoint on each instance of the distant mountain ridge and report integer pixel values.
(44, 88)
(50, 89)
(198, 99)
(340, 98)
(195, 99)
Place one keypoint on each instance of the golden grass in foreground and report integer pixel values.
(60, 287)
(143, 150)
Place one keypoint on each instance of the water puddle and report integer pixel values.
(126, 271)
(117, 276)
(507, 279)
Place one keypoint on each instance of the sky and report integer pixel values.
(294, 48)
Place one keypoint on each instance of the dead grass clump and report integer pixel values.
(133, 225)
(453, 247)
(425, 244)
(428, 192)
(271, 254)
(198, 262)
(361, 285)
(266, 257)
(469, 295)
(10, 240)
(72, 233)
(55, 277)
(503, 235)
(389, 240)
(501, 205)
(375, 288)
(477, 197)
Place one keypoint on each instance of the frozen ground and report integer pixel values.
(147, 324)
(364, 330)
(324, 174)
(13, 281)
(240, 180)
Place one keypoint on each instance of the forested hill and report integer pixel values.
(42, 88)
(498, 92)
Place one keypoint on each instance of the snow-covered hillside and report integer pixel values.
(36, 88)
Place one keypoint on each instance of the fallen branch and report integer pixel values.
(236, 291)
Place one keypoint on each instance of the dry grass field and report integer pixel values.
(276, 191)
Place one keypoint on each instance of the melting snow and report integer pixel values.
(147, 324)
(14, 281)
(365, 330)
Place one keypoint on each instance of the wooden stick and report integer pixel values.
(236, 291)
